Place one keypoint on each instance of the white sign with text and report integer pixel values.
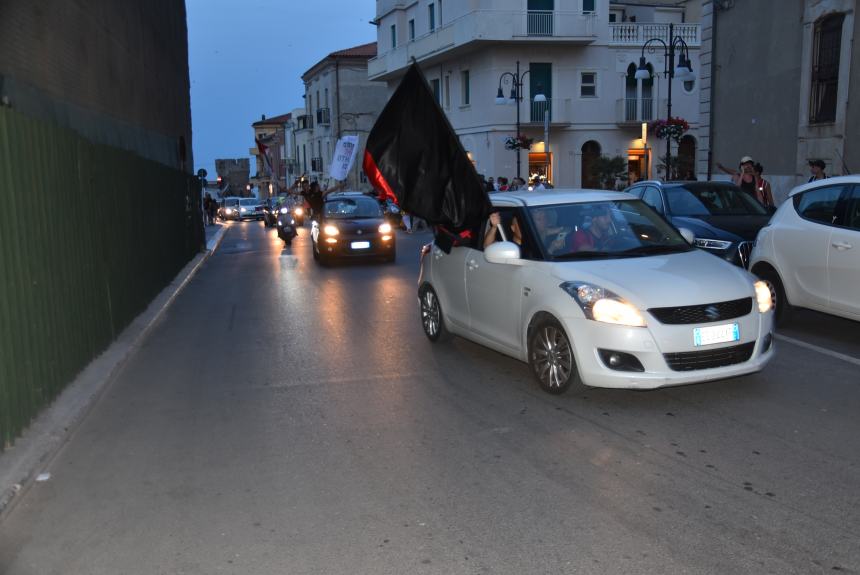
(344, 156)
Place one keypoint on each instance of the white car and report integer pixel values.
(601, 291)
(809, 253)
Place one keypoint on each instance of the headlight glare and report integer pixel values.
(385, 228)
(284, 210)
(299, 211)
(763, 296)
(330, 230)
(600, 304)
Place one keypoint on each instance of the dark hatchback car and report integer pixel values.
(724, 219)
(352, 225)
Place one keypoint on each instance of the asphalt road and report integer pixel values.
(283, 418)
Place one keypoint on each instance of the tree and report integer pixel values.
(609, 170)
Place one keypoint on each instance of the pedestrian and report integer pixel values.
(816, 167)
(744, 177)
(762, 187)
(503, 184)
(207, 209)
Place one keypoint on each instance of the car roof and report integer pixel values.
(555, 196)
(850, 179)
(687, 183)
(341, 195)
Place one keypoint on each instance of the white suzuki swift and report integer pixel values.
(597, 288)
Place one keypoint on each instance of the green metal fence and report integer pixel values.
(89, 235)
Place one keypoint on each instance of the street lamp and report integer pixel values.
(515, 99)
(684, 71)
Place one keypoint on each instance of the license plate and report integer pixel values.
(716, 334)
(359, 245)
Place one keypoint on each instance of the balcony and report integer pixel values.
(316, 164)
(634, 111)
(636, 34)
(474, 29)
(323, 117)
(305, 122)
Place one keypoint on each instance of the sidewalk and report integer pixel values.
(21, 464)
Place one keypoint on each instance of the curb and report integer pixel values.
(49, 431)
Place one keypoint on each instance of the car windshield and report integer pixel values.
(352, 208)
(709, 200)
(248, 201)
(605, 229)
(231, 202)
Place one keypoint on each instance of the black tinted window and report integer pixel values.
(852, 210)
(819, 205)
(346, 208)
(704, 200)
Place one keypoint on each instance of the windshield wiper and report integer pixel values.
(587, 255)
(657, 249)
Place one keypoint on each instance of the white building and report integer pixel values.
(339, 100)
(580, 54)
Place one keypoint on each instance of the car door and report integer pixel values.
(449, 281)
(804, 246)
(494, 294)
(844, 264)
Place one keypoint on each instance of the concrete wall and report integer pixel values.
(852, 141)
(116, 72)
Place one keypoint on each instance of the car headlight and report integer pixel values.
(299, 211)
(710, 244)
(244, 210)
(330, 230)
(763, 297)
(228, 211)
(284, 210)
(292, 222)
(602, 305)
(385, 228)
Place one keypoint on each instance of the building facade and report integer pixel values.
(276, 135)
(233, 177)
(580, 56)
(339, 100)
(780, 92)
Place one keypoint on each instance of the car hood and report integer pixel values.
(365, 225)
(680, 279)
(729, 228)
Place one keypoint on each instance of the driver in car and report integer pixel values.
(599, 235)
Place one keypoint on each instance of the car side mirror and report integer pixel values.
(687, 235)
(502, 253)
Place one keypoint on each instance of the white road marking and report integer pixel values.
(819, 349)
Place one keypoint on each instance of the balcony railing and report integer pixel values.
(635, 110)
(636, 34)
(304, 122)
(539, 23)
(316, 164)
(323, 116)
(538, 110)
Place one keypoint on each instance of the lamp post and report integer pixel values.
(684, 70)
(515, 99)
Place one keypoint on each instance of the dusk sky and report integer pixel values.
(246, 59)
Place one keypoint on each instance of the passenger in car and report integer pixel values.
(553, 236)
(598, 236)
(493, 225)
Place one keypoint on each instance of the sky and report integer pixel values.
(246, 59)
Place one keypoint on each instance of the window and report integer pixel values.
(393, 36)
(412, 29)
(613, 18)
(447, 92)
(588, 85)
(653, 198)
(437, 89)
(465, 88)
(826, 45)
(818, 205)
(588, 6)
(325, 104)
(431, 17)
(852, 210)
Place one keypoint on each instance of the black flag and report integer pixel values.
(414, 156)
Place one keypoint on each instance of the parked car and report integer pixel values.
(723, 218)
(644, 310)
(809, 254)
(250, 209)
(352, 225)
(229, 208)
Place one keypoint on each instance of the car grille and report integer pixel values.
(744, 251)
(693, 360)
(705, 313)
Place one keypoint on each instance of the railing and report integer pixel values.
(539, 23)
(539, 109)
(323, 116)
(636, 34)
(304, 122)
(316, 164)
(632, 110)
(79, 258)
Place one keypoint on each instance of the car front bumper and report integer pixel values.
(657, 346)
(346, 246)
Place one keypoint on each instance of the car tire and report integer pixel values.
(782, 309)
(432, 318)
(551, 357)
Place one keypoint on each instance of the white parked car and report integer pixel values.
(809, 253)
(600, 290)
